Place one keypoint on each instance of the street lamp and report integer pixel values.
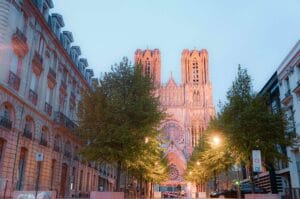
(198, 163)
(146, 140)
(216, 140)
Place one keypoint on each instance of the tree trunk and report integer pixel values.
(272, 178)
(251, 178)
(141, 186)
(215, 181)
(151, 190)
(119, 167)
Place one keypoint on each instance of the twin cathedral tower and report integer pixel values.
(189, 105)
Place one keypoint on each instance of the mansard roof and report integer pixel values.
(76, 49)
(49, 3)
(84, 62)
(69, 35)
(90, 72)
(59, 19)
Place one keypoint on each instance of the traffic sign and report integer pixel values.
(256, 159)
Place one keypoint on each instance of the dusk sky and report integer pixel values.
(257, 34)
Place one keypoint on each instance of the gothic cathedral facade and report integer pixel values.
(189, 105)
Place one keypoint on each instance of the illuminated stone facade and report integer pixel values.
(41, 77)
(189, 105)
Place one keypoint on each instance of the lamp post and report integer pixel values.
(216, 142)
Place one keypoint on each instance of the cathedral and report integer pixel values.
(189, 106)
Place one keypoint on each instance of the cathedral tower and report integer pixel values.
(189, 106)
(194, 67)
(150, 60)
(198, 91)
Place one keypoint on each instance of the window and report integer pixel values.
(287, 86)
(62, 102)
(80, 180)
(195, 72)
(56, 144)
(55, 61)
(14, 64)
(28, 128)
(88, 182)
(2, 142)
(72, 181)
(49, 95)
(6, 112)
(43, 138)
(21, 169)
(52, 173)
(148, 68)
(41, 46)
(34, 82)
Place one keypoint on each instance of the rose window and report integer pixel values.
(173, 172)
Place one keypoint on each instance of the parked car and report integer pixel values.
(245, 189)
(216, 194)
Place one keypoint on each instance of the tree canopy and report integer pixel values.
(117, 116)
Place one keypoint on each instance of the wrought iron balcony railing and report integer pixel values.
(288, 93)
(63, 85)
(27, 133)
(33, 97)
(14, 80)
(48, 109)
(43, 142)
(52, 72)
(56, 147)
(63, 120)
(5, 122)
(20, 35)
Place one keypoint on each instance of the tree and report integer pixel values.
(117, 116)
(248, 124)
(208, 160)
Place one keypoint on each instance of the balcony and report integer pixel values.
(51, 78)
(37, 63)
(48, 109)
(63, 87)
(33, 97)
(56, 147)
(297, 89)
(72, 99)
(19, 43)
(287, 98)
(64, 121)
(14, 81)
(43, 142)
(5, 123)
(27, 133)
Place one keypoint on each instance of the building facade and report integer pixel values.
(276, 178)
(42, 76)
(289, 87)
(189, 105)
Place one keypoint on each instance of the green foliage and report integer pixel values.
(117, 116)
(248, 124)
(207, 159)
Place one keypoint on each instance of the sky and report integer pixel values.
(257, 34)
